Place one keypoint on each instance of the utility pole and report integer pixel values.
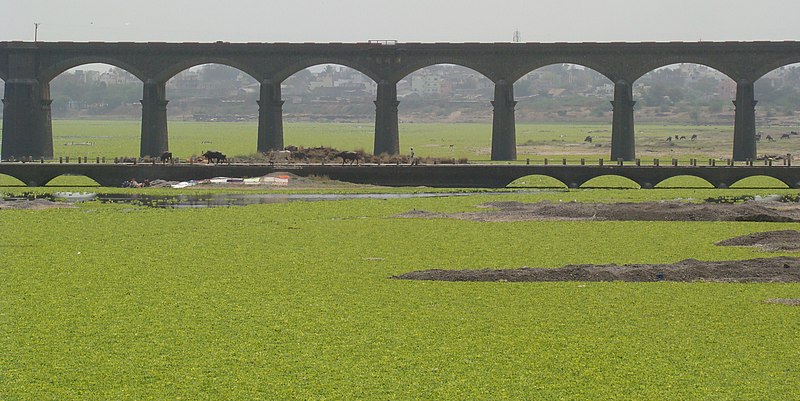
(36, 31)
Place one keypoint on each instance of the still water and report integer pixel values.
(221, 200)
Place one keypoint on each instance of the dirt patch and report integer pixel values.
(784, 301)
(35, 204)
(767, 270)
(644, 211)
(769, 241)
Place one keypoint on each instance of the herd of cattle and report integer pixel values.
(769, 138)
(290, 153)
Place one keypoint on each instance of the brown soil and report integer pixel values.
(784, 301)
(770, 241)
(780, 269)
(36, 204)
(645, 211)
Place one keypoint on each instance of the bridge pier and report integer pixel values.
(270, 117)
(387, 132)
(744, 130)
(504, 133)
(154, 139)
(26, 120)
(623, 143)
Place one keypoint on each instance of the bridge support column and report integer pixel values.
(744, 130)
(504, 131)
(270, 117)
(27, 130)
(387, 132)
(154, 139)
(623, 144)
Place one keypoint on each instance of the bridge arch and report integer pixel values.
(10, 181)
(761, 181)
(778, 96)
(611, 181)
(767, 66)
(684, 181)
(584, 62)
(537, 181)
(333, 93)
(174, 69)
(685, 94)
(656, 63)
(310, 62)
(414, 65)
(70, 180)
(62, 66)
(564, 92)
(441, 93)
(212, 93)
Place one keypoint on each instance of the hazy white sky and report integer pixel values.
(402, 20)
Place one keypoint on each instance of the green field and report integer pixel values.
(294, 301)
(92, 138)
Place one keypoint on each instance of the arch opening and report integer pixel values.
(9, 181)
(563, 110)
(66, 180)
(536, 181)
(610, 181)
(329, 105)
(445, 111)
(96, 112)
(759, 181)
(778, 111)
(684, 111)
(212, 107)
(684, 181)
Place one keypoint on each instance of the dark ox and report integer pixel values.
(351, 156)
(166, 157)
(214, 156)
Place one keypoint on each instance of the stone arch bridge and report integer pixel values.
(28, 67)
(452, 176)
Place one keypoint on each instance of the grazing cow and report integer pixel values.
(214, 156)
(669, 139)
(758, 137)
(352, 156)
(279, 156)
(166, 157)
(770, 138)
(297, 155)
(588, 139)
(676, 137)
(785, 136)
(694, 136)
(683, 137)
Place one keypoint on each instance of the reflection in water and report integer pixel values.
(217, 200)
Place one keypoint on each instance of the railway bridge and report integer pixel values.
(442, 175)
(28, 67)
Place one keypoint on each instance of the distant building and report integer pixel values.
(426, 84)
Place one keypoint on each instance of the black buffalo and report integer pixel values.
(166, 157)
(351, 156)
(214, 156)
